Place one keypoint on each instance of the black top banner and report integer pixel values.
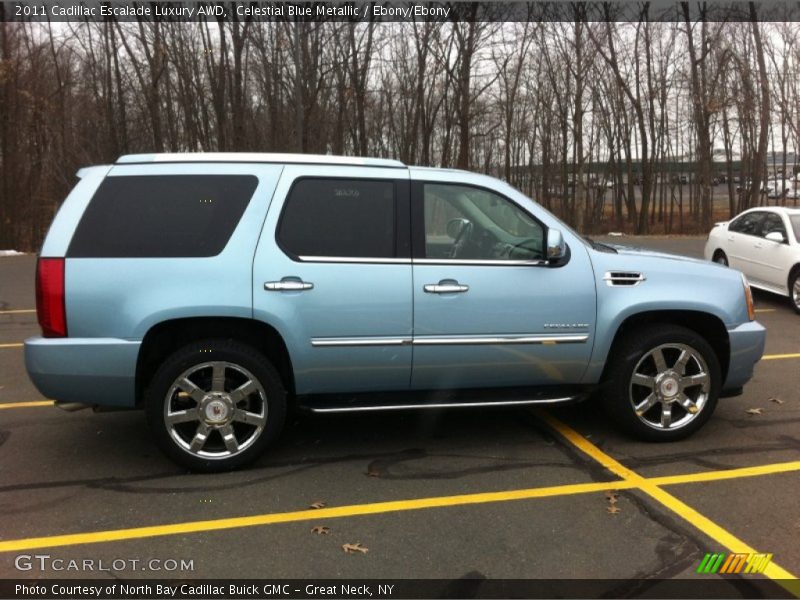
(391, 11)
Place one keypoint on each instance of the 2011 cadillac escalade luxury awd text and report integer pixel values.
(217, 290)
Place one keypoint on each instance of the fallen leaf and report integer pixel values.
(317, 504)
(611, 496)
(776, 400)
(353, 548)
(321, 530)
(373, 473)
(754, 411)
(613, 509)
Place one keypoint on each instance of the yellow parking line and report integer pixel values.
(779, 356)
(5, 405)
(18, 311)
(701, 522)
(307, 515)
(772, 469)
(11, 345)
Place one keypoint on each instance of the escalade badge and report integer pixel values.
(566, 325)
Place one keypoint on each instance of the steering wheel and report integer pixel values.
(522, 251)
(462, 239)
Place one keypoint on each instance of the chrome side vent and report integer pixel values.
(623, 278)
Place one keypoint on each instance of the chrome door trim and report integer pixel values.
(450, 340)
(499, 340)
(475, 262)
(355, 260)
(360, 341)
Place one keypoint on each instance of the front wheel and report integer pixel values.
(720, 258)
(215, 405)
(794, 290)
(664, 383)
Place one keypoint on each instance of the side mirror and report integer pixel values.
(455, 227)
(775, 236)
(556, 246)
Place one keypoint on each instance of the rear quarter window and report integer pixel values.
(149, 216)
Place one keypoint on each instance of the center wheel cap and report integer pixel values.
(216, 410)
(668, 387)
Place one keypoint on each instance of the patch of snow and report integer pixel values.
(10, 253)
(615, 234)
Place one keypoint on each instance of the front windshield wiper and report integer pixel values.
(599, 246)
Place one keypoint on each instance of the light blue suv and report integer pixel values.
(216, 291)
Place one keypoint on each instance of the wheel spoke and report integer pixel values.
(666, 415)
(643, 380)
(183, 416)
(218, 377)
(229, 437)
(646, 404)
(688, 404)
(251, 418)
(692, 380)
(190, 389)
(199, 439)
(243, 391)
(680, 364)
(658, 358)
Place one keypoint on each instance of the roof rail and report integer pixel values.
(257, 157)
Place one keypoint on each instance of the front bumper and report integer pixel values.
(747, 347)
(94, 371)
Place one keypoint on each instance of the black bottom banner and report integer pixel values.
(333, 589)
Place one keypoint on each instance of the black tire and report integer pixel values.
(794, 298)
(633, 354)
(720, 258)
(224, 419)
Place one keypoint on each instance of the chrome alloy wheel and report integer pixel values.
(796, 292)
(670, 386)
(215, 410)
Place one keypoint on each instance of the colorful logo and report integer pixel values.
(719, 562)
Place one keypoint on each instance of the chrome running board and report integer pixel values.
(439, 405)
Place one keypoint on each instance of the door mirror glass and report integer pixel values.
(556, 246)
(455, 227)
(775, 236)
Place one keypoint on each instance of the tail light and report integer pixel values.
(50, 307)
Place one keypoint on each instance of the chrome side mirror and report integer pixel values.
(556, 246)
(455, 227)
(775, 236)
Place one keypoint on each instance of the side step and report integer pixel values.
(329, 404)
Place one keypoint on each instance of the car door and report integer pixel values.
(772, 259)
(740, 241)
(489, 311)
(332, 273)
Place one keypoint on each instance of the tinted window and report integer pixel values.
(773, 222)
(749, 223)
(463, 222)
(339, 218)
(162, 216)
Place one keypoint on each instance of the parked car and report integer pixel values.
(217, 291)
(763, 244)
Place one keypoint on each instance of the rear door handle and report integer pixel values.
(288, 285)
(444, 287)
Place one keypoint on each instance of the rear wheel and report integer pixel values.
(215, 405)
(720, 258)
(664, 383)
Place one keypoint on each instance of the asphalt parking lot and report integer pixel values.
(515, 494)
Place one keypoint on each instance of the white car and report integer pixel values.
(764, 244)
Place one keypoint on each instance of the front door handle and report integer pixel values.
(288, 285)
(446, 287)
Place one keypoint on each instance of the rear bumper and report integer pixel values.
(747, 347)
(94, 371)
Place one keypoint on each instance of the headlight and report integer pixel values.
(748, 298)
